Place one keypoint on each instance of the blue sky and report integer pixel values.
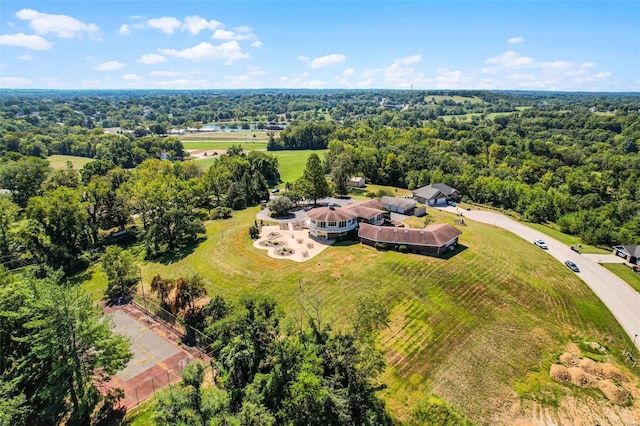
(141, 44)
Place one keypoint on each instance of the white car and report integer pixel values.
(540, 244)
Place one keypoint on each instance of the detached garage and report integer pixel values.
(398, 205)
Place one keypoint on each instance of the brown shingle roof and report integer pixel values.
(372, 204)
(364, 211)
(333, 214)
(432, 235)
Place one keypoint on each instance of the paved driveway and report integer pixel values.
(617, 295)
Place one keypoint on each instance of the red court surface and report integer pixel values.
(158, 360)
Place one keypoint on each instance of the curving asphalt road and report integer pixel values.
(617, 295)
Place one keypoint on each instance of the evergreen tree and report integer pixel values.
(313, 185)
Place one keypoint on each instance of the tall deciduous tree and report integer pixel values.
(313, 185)
(63, 219)
(122, 273)
(57, 349)
(23, 178)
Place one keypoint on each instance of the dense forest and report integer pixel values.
(569, 159)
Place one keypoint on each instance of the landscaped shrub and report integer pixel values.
(402, 249)
(221, 213)
(254, 232)
(380, 246)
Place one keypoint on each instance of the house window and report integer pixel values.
(332, 224)
(343, 224)
(322, 224)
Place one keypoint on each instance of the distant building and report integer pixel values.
(630, 253)
(356, 182)
(436, 194)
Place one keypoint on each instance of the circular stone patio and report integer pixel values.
(304, 246)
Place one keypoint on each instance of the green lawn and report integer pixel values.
(455, 98)
(238, 136)
(482, 317)
(625, 273)
(248, 146)
(60, 161)
(291, 163)
(469, 116)
(359, 193)
(569, 240)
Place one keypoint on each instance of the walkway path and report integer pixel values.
(617, 295)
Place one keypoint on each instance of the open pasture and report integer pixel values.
(60, 161)
(490, 315)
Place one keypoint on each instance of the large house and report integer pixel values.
(433, 239)
(367, 214)
(436, 194)
(630, 253)
(331, 222)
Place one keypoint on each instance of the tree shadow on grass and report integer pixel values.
(177, 255)
(449, 254)
(79, 277)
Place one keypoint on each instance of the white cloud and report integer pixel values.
(166, 24)
(231, 51)
(602, 74)
(489, 70)
(171, 73)
(369, 72)
(195, 24)
(556, 65)
(182, 83)
(124, 29)
(61, 25)
(14, 82)
(316, 84)
(109, 66)
(409, 60)
(448, 79)
(90, 58)
(160, 73)
(25, 57)
(510, 59)
(230, 35)
(349, 71)
(303, 58)
(587, 65)
(327, 60)
(256, 71)
(33, 42)
(515, 40)
(152, 58)
(131, 77)
(400, 74)
(242, 81)
(256, 43)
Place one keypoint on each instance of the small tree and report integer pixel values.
(122, 273)
(280, 206)
(254, 232)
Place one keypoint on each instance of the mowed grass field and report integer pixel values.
(479, 328)
(221, 136)
(291, 163)
(60, 161)
(456, 98)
